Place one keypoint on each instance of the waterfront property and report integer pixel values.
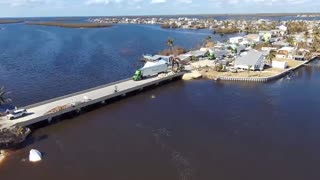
(253, 60)
(286, 52)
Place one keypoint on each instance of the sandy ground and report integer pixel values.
(202, 63)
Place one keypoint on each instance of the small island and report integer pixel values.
(10, 21)
(70, 25)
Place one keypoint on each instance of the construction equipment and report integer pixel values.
(150, 69)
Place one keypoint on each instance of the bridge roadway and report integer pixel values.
(74, 102)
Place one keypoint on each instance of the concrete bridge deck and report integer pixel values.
(74, 102)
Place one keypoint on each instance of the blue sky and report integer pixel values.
(26, 8)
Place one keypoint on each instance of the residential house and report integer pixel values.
(253, 38)
(286, 52)
(236, 40)
(218, 52)
(253, 59)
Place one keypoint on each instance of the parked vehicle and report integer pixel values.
(17, 114)
(150, 69)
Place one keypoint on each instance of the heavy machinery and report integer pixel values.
(150, 69)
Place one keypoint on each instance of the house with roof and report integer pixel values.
(188, 56)
(253, 37)
(236, 40)
(218, 52)
(148, 57)
(286, 52)
(252, 59)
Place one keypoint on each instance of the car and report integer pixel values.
(17, 114)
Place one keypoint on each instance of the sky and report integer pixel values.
(54, 8)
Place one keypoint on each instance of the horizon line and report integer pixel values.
(193, 14)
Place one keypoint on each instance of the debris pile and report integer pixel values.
(192, 75)
(11, 137)
(58, 109)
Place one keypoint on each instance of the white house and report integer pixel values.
(279, 64)
(283, 28)
(253, 59)
(235, 40)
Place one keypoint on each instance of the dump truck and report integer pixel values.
(150, 69)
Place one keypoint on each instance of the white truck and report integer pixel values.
(151, 69)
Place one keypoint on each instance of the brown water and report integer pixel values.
(198, 130)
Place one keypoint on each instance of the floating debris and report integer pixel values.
(35, 155)
(153, 97)
(2, 155)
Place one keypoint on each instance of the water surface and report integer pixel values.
(197, 130)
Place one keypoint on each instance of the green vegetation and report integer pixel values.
(224, 31)
(290, 40)
(70, 25)
(10, 21)
(3, 96)
(271, 56)
(208, 42)
(173, 50)
(219, 67)
(170, 43)
(249, 68)
(67, 19)
(297, 27)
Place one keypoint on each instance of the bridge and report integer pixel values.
(47, 110)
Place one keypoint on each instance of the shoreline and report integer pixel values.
(70, 25)
(207, 72)
(265, 79)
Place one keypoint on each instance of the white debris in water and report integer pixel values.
(35, 155)
(2, 155)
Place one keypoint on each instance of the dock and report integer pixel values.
(50, 109)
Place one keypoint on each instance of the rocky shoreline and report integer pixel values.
(13, 136)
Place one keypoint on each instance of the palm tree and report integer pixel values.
(208, 39)
(249, 68)
(170, 43)
(3, 98)
(208, 42)
(290, 40)
(271, 56)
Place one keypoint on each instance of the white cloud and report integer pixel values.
(16, 3)
(97, 2)
(185, 1)
(158, 1)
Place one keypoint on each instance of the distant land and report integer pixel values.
(181, 15)
(227, 14)
(70, 25)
